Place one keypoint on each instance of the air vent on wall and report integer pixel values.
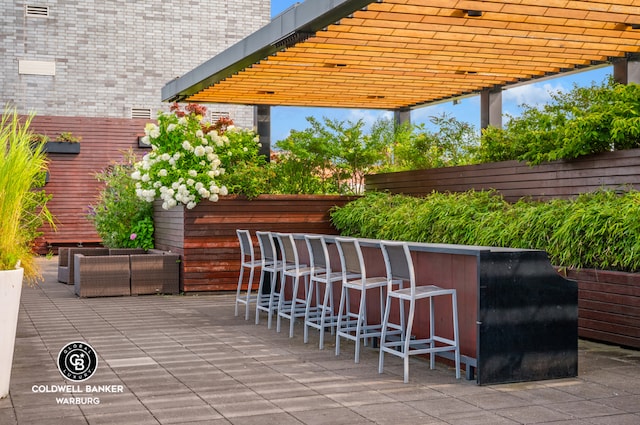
(32, 11)
(141, 113)
(216, 115)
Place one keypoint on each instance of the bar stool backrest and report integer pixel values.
(288, 249)
(397, 260)
(246, 246)
(318, 252)
(267, 246)
(351, 258)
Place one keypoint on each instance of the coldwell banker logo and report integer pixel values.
(77, 361)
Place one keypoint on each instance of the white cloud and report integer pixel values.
(532, 94)
(368, 116)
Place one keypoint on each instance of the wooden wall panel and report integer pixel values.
(608, 306)
(558, 179)
(72, 182)
(209, 245)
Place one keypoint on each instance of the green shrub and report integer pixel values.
(245, 171)
(596, 230)
(580, 122)
(121, 219)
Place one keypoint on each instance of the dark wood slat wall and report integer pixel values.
(209, 245)
(608, 306)
(558, 179)
(72, 182)
(609, 302)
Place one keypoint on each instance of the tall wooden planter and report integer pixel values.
(205, 236)
(608, 305)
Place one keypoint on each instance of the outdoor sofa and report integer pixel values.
(98, 272)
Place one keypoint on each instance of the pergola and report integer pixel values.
(402, 54)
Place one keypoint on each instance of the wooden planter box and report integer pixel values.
(608, 305)
(205, 236)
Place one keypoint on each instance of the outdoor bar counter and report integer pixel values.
(518, 318)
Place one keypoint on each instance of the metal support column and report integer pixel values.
(402, 115)
(262, 123)
(491, 108)
(627, 70)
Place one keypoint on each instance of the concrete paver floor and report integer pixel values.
(189, 360)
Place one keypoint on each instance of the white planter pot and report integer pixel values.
(10, 290)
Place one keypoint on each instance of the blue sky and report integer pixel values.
(284, 119)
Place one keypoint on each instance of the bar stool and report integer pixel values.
(322, 277)
(352, 325)
(291, 267)
(268, 301)
(399, 267)
(247, 261)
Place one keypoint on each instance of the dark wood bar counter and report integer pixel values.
(518, 318)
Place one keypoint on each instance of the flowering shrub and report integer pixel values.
(190, 156)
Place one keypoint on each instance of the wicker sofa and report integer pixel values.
(101, 275)
(124, 271)
(157, 272)
(65, 261)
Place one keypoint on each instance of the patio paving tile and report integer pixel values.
(189, 360)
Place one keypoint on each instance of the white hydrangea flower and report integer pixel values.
(199, 151)
(163, 173)
(193, 173)
(152, 130)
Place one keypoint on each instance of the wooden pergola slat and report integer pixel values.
(394, 54)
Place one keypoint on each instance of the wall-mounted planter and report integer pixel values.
(62, 147)
(143, 145)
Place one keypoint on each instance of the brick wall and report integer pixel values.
(85, 65)
(114, 55)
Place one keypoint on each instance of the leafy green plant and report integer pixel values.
(67, 136)
(121, 219)
(23, 208)
(595, 230)
(583, 121)
(328, 155)
(245, 169)
(304, 162)
(453, 143)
